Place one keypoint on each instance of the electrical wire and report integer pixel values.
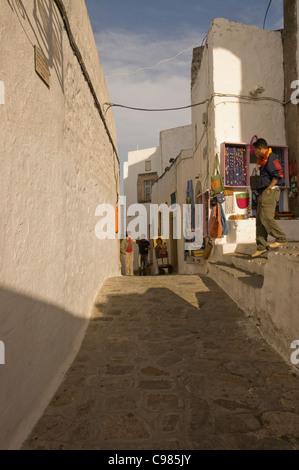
(266, 14)
(73, 44)
(153, 110)
(63, 13)
(208, 100)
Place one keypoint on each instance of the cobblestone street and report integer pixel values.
(171, 362)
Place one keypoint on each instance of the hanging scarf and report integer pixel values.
(263, 160)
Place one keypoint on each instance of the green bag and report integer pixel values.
(217, 185)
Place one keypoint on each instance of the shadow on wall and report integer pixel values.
(40, 340)
(46, 33)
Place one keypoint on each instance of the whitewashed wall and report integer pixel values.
(245, 57)
(57, 165)
(238, 58)
(203, 119)
(135, 166)
(172, 141)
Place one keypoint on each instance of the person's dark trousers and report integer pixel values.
(265, 222)
(142, 265)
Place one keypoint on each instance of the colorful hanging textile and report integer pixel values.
(235, 166)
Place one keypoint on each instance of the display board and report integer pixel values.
(234, 162)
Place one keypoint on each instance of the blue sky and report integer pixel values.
(133, 34)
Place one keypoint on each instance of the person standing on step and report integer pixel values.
(270, 182)
(127, 253)
(144, 248)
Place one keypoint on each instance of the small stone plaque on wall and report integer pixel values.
(42, 66)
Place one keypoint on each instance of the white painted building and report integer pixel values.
(237, 92)
(172, 141)
(236, 61)
(232, 64)
(145, 166)
(58, 163)
(171, 188)
(149, 164)
(146, 163)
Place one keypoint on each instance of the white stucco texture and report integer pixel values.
(246, 57)
(57, 166)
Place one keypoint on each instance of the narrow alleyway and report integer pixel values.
(170, 362)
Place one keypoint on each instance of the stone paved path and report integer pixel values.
(170, 362)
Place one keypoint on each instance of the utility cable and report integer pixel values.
(208, 100)
(97, 104)
(153, 110)
(79, 57)
(266, 14)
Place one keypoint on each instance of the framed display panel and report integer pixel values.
(235, 164)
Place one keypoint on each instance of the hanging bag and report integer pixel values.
(208, 248)
(254, 179)
(224, 223)
(294, 187)
(252, 152)
(215, 223)
(293, 168)
(251, 144)
(254, 202)
(243, 200)
(217, 185)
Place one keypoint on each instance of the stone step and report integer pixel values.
(249, 248)
(245, 248)
(290, 247)
(245, 276)
(243, 286)
(245, 262)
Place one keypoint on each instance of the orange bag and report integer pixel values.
(215, 222)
